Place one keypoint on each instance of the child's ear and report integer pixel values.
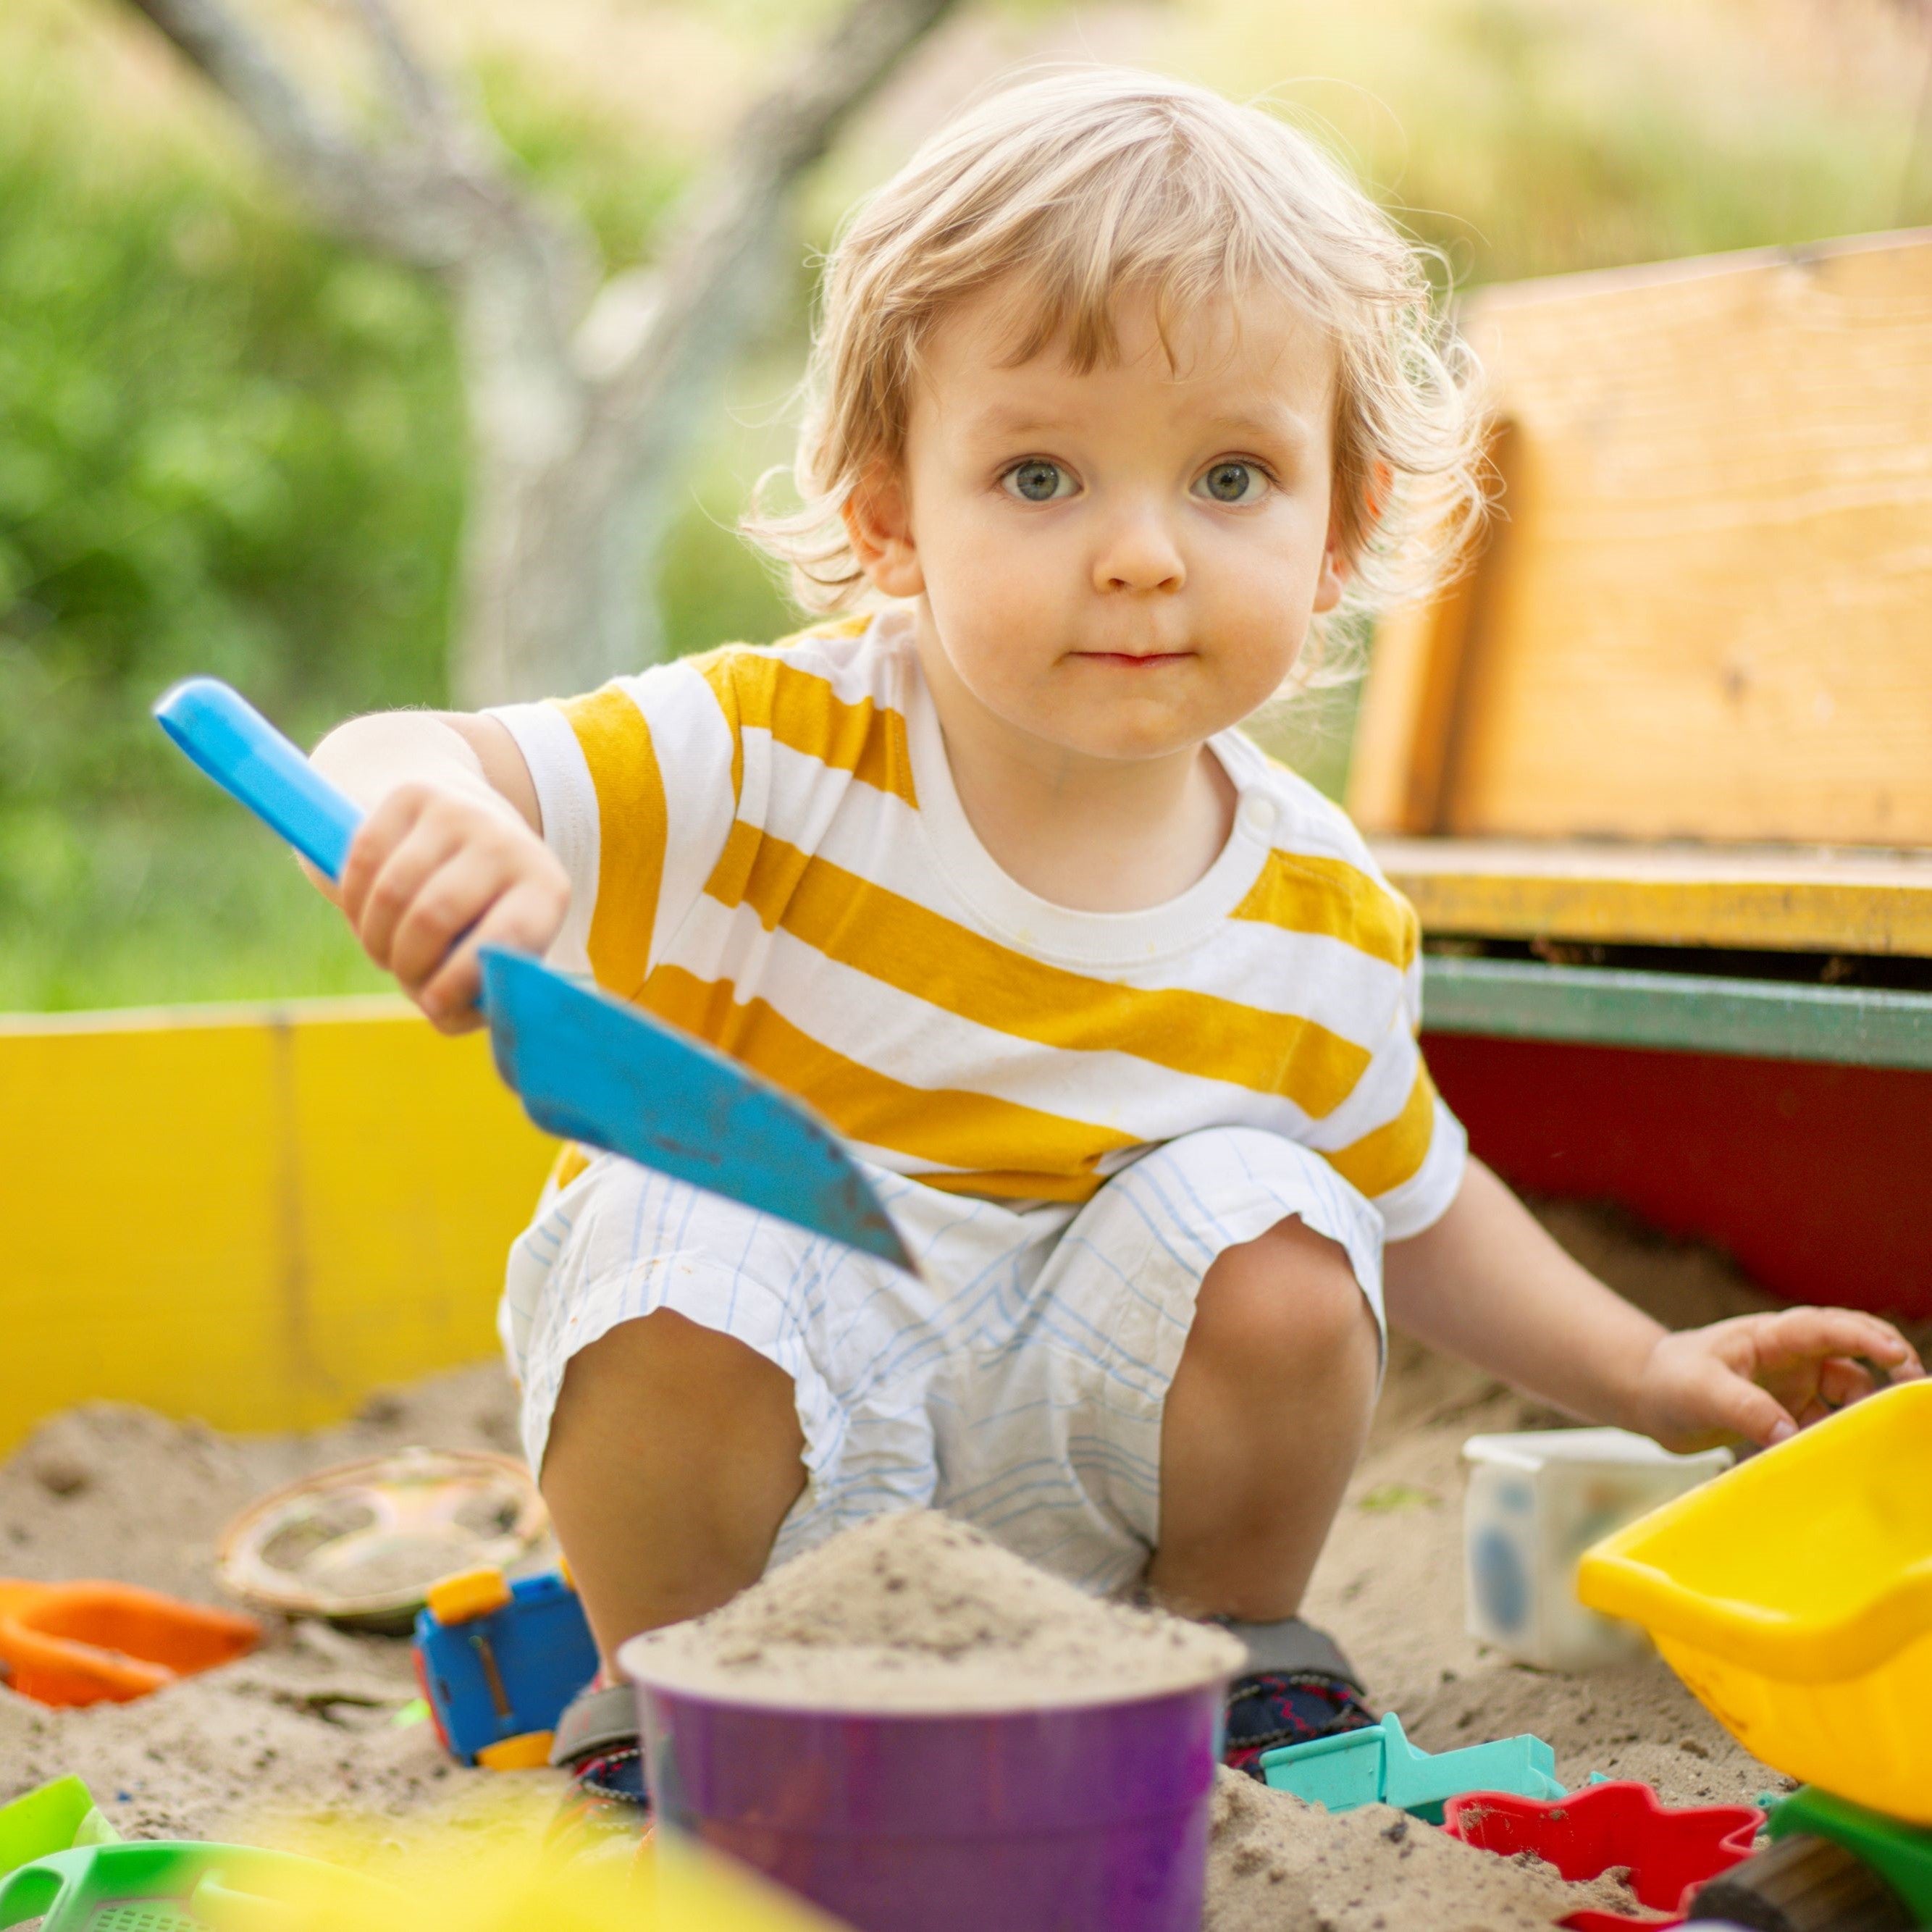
(1337, 564)
(878, 524)
(1336, 571)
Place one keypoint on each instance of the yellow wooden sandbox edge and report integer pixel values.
(254, 1216)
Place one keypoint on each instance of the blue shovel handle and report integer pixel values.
(244, 754)
(586, 1066)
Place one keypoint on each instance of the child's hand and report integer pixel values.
(432, 865)
(1765, 1377)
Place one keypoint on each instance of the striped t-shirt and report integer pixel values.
(765, 847)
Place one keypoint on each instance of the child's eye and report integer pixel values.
(1233, 482)
(1037, 481)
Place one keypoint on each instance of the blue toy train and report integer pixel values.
(498, 1661)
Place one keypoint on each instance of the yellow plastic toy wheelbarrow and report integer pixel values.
(1793, 1596)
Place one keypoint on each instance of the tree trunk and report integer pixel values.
(583, 402)
(572, 500)
(555, 591)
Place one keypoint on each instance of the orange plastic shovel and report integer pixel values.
(91, 1642)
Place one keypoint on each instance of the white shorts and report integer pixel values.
(1019, 1384)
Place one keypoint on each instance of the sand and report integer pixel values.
(302, 1723)
(917, 1613)
(306, 1721)
(1276, 1865)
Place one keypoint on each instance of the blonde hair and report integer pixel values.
(1082, 184)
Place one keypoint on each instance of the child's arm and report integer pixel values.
(1487, 1283)
(452, 851)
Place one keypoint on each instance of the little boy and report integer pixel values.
(1120, 391)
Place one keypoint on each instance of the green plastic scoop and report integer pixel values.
(53, 1817)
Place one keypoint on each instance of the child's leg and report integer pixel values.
(674, 1455)
(1264, 1419)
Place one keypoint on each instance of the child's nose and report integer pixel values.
(1138, 552)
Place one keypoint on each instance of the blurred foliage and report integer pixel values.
(226, 444)
(1537, 137)
(584, 155)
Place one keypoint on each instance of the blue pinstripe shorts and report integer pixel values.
(1019, 1384)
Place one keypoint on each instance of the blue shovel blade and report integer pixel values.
(587, 1067)
(590, 1068)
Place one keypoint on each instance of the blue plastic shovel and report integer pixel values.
(587, 1067)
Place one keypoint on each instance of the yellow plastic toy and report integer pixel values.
(1793, 1596)
(445, 1877)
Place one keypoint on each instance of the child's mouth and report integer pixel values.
(1133, 660)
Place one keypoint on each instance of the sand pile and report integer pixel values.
(307, 1722)
(1275, 1864)
(918, 1612)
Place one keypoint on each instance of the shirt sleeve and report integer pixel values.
(567, 805)
(635, 784)
(1398, 1144)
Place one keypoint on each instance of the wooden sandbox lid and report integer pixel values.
(1684, 695)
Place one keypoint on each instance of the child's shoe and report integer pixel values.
(1269, 1709)
(1299, 1688)
(607, 1810)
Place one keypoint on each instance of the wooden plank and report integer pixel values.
(1407, 729)
(252, 1215)
(1711, 617)
(1388, 738)
(1767, 1019)
(1754, 898)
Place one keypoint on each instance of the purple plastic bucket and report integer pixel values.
(1087, 1818)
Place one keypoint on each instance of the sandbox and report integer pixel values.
(306, 1723)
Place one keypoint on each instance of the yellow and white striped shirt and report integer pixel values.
(764, 847)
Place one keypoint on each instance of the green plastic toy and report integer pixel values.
(1830, 1863)
(56, 1817)
(1379, 1766)
(164, 1886)
(1899, 1854)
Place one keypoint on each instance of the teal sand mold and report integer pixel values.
(1379, 1766)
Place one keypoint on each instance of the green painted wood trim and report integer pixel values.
(1767, 1019)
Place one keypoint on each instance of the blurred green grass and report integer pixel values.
(226, 444)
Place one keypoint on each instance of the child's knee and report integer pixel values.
(1286, 1307)
(658, 1387)
(674, 1457)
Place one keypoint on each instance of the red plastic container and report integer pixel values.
(1670, 1852)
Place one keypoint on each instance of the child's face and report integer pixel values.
(1122, 562)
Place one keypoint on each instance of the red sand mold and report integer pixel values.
(1668, 1852)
